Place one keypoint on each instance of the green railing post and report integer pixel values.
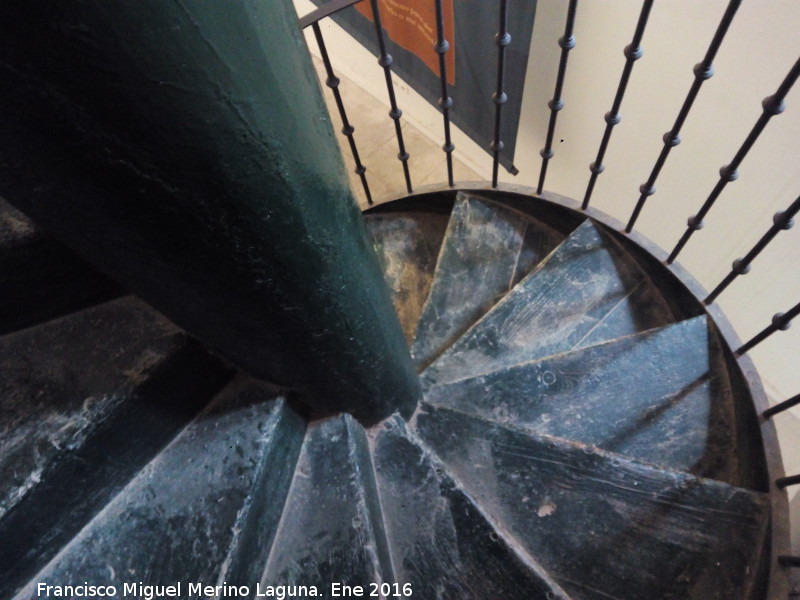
(184, 148)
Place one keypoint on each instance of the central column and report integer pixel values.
(184, 148)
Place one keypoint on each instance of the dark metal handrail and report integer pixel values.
(445, 101)
(783, 482)
(779, 408)
(567, 43)
(789, 561)
(502, 39)
(395, 113)
(780, 322)
(771, 105)
(741, 266)
(324, 11)
(347, 129)
(702, 71)
(633, 52)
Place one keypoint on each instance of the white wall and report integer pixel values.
(762, 44)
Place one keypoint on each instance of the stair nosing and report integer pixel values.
(502, 534)
(609, 454)
(568, 351)
(618, 251)
(527, 220)
(277, 419)
(370, 498)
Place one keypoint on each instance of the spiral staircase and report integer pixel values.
(580, 435)
(582, 429)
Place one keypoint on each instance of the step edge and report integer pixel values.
(175, 439)
(239, 563)
(524, 218)
(508, 541)
(361, 457)
(606, 454)
(533, 361)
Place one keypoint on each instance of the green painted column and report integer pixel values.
(184, 148)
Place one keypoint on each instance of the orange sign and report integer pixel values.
(411, 24)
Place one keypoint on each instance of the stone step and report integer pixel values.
(605, 526)
(87, 401)
(486, 250)
(552, 310)
(181, 517)
(441, 541)
(659, 397)
(40, 278)
(407, 246)
(330, 530)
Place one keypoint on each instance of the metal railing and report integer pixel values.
(772, 106)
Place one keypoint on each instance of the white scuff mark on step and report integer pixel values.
(546, 509)
(21, 490)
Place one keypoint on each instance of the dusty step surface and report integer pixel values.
(407, 246)
(256, 524)
(602, 525)
(659, 397)
(641, 309)
(175, 521)
(330, 530)
(41, 279)
(441, 543)
(85, 402)
(487, 248)
(552, 310)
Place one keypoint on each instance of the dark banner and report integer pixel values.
(470, 28)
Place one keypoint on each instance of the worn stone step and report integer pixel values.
(330, 530)
(407, 246)
(256, 524)
(552, 310)
(40, 278)
(486, 250)
(605, 526)
(181, 518)
(643, 308)
(85, 402)
(659, 397)
(441, 542)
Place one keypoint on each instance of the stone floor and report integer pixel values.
(378, 149)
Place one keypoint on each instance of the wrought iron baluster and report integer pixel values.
(347, 129)
(324, 11)
(395, 113)
(787, 481)
(782, 406)
(741, 266)
(780, 322)
(702, 71)
(789, 561)
(445, 101)
(772, 105)
(633, 52)
(567, 43)
(502, 39)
